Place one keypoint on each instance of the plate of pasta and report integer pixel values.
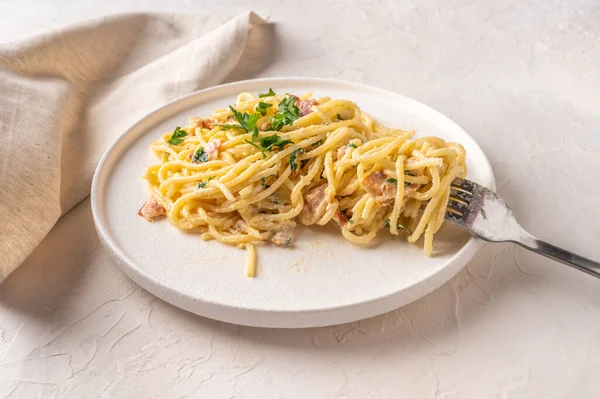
(288, 202)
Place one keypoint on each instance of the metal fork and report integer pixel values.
(485, 215)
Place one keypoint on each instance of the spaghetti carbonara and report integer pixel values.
(250, 173)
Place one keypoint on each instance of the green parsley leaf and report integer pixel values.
(257, 147)
(287, 242)
(393, 181)
(398, 226)
(287, 113)
(352, 145)
(408, 172)
(350, 221)
(262, 108)
(252, 121)
(263, 182)
(270, 142)
(247, 121)
(269, 94)
(227, 126)
(293, 155)
(267, 142)
(281, 144)
(200, 156)
(177, 136)
(339, 117)
(204, 183)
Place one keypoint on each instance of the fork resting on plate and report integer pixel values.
(485, 215)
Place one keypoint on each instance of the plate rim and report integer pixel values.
(221, 310)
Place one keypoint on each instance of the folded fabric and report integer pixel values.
(65, 95)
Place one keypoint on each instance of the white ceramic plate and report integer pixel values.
(323, 279)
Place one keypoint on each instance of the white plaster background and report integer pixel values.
(521, 76)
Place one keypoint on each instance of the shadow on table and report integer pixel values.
(43, 281)
(77, 290)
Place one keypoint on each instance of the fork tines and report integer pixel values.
(463, 185)
(461, 194)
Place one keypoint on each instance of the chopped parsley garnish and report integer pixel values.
(270, 142)
(254, 133)
(398, 225)
(287, 113)
(247, 121)
(350, 221)
(339, 117)
(408, 172)
(287, 242)
(204, 183)
(263, 182)
(257, 147)
(177, 136)
(200, 156)
(227, 126)
(352, 145)
(293, 155)
(269, 94)
(391, 180)
(262, 108)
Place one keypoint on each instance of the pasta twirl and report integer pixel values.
(251, 173)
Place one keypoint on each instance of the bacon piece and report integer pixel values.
(208, 122)
(340, 219)
(212, 149)
(411, 189)
(195, 121)
(152, 209)
(315, 198)
(315, 205)
(377, 187)
(240, 226)
(304, 106)
(282, 238)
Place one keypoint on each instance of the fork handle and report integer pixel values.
(562, 255)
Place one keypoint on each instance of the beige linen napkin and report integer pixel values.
(67, 94)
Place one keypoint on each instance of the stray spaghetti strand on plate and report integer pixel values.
(250, 173)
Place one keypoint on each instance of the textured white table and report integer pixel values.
(521, 77)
